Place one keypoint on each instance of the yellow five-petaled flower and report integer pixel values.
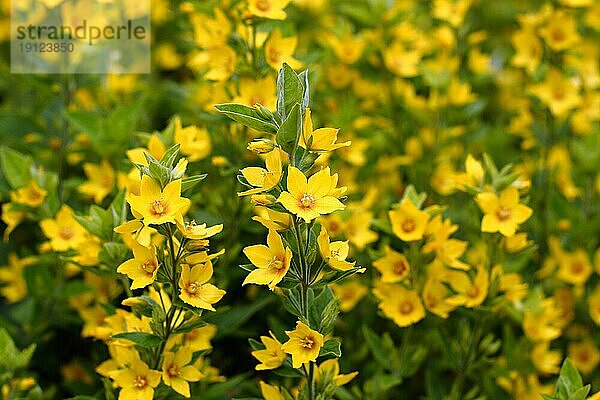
(195, 290)
(502, 214)
(272, 261)
(313, 197)
(304, 344)
(158, 206)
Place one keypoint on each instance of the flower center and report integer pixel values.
(408, 225)
(140, 382)
(276, 263)
(149, 267)
(263, 5)
(473, 291)
(274, 55)
(157, 208)
(577, 268)
(399, 268)
(307, 201)
(307, 342)
(193, 287)
(173, 370)
(34, 195)
(558, 35)
(66, 233)
(406, 307)
(503, 213)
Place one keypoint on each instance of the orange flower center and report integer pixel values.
(399, 267)
(34, 195)
(158, 208)
(406, 307)
(66, 233)
(274, 55)
(503, 213)
(558, 35)
(408, 225)
(173, 370)
(140, 382)
(263, 5)
(149, 267)
(193, 287)
(307, 342)
(307, 201)
(577, 268)
(473, 291)
(276, 263)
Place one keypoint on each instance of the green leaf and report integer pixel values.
(10, 357)
(289, 91)
(142, 339)
(569, 380)
(580, 394)
(168, 159)
(247, 116)
(16, 167)
(331, 349)
(288, 132)
(376, 346)
(191, 181)
(190, 326)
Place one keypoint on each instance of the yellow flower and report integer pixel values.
(545, 360)
(408, 223)
(402, 62)
(451, 11)
(271, 9)
(63, 231)
(31, 195)
(529, 50)
(101, 180)
(585, 355)
(158, 206)
(356, 228)
(558, 92)
(331, 368)
(194, 289)
(516, 242)
(137, 381)
(394, 266)
(560, 33)
(257, 91)
(14, 287)
(280, 50)
(320, 140)
(272, 356)
(191, 230)
(272, 219)
(304, 344)
(349, 293)
(334, 253)
(217, 62)
(469, 293)
(540, 325)
(272, 262)
(263, 179)
(11, 218)
(156, 148)
(176, 371)
(402, 305)
(347, 48)
(310, 198)
(502, 214)
(435, 293)
(594, 305)
(194, 141)
(575, 267)
(142, 269)
(270, 392)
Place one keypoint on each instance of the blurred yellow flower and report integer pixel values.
(101, 180)
(502, 214)
(63, 231)
(31, 195)
(394, 266)
(279, 50)
(408, 222)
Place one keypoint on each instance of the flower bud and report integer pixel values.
(263, 199)
(263, 111)
(261, 146)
